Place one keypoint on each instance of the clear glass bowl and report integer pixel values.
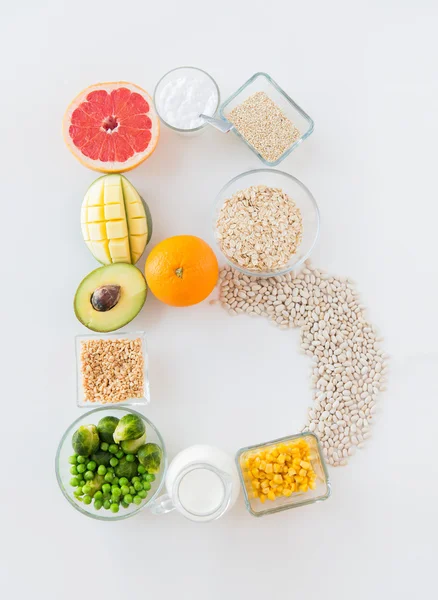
(166, 79)
(62, 466)
(262, 82)
(123, 335)
(321, 492)
(301, 196)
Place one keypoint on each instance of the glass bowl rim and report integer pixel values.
(141, 333)
(281, 91)
(178, 129)
(286, 438)
(283, 271)
(117, 516)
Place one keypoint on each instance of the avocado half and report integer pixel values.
(110, 297)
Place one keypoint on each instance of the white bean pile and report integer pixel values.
(349, 367)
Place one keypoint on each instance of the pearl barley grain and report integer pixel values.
(339, 339)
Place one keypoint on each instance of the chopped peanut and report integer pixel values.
(280, 471)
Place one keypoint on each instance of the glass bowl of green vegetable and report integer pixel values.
(111, 463)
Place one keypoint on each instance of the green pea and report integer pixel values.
(86, 489)
(109, 477)
(74, 482)
(146, 485)
(124, 504)
(98, 504)
(142, 494)
(132, 490)
(81, 468)
(91, 466)
(138, 486)
(110, 470)
(104, 446)
(107, 496)
(78, 492)
(114, 508)
(120, 454)
(106, 488)
(124, 489)
(88, 475)
(74, 470)
(114, 462)
(115, 480)
(113, 449)
(87, 499)
(81, 460)
(106, 504)
(134, 479)
(137, 500)
(98, 495)
(127, 498)
(73, 459)
(115, 488)
(141, 469)
(130, 457)
(101, 470)
(123, 481)
(151, 477)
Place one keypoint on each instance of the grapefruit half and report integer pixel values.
(111, 127)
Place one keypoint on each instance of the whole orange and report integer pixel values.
(182, 270)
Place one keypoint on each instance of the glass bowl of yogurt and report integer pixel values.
(182, 95)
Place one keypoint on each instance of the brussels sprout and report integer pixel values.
(95, 484)
(126, 469)
(106, 427)
(150, 456)
(130, 427)
(85, 440)
(131, 446)
(102, 458)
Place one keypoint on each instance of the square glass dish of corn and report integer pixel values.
(283, 473)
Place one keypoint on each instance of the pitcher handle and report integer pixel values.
(162, 505)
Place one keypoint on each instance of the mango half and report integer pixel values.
(115, 221)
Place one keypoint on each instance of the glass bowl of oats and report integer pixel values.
(265, 222)
(270, 123)
(112, 369)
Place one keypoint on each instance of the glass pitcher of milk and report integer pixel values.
(202, 484)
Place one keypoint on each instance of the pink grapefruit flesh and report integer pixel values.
(111, 127)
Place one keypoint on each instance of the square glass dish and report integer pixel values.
(131, 360)
(321, 488)
(262, 82)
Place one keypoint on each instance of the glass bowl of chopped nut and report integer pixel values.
(282, 474)
(111, 463)
(112, 369)
(265, 222)
(270, 123)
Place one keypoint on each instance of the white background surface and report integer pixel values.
(366, 72)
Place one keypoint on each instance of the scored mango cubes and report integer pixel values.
(115, 223)
(280, 470)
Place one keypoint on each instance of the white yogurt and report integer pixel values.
(183, 94)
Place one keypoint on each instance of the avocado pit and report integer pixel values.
(105, 297)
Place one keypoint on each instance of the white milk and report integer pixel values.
(201, 492)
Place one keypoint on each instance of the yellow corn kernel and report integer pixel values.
(271, 495)
(265, 491)
(273, 485)
(255, 484)
(264, 483)
(269, 468)
(312, 485)
(276, 468)
(285, 470)
(305, 465)
(279, 492)
(269, 457)
(287, 478)
(298, 478)
(287, 492)
(262, 465)
(293, 486)
(278, 478)
(303, 487)
(263, 498)
(292, 472)
(303, 472)
(255, 472)
(269, 476)
(275, 453)
(281, 459)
